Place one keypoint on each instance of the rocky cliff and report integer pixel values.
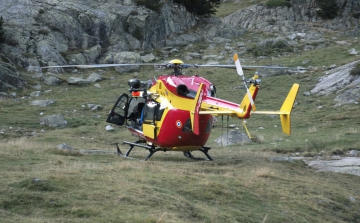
(40, 32)
(58, 32)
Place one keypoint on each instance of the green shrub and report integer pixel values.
(200, 7)
(270, 49)
(356, 15)
(328, 9)
(154, 5)
(138, 34)
(2, 34)
(276, 3)
(355, 70)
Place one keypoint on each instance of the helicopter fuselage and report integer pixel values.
(166, 120)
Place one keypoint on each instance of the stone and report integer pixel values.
(233, 137)
(56, 121)
(42, 103)
(64, 146)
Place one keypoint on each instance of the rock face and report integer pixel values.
(9, 77)
(295, 18)
(46, 29)
(341, 82)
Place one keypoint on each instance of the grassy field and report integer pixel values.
(40, 183)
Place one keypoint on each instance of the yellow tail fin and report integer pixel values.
(286, 109)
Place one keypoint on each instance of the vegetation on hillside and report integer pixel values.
(277, 3)
(200, 7)
(328, 8)
(154, 5)
(2, 34)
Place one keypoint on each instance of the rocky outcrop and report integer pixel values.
(9, 77)
(39, 32)
(340, 82)
(296, 18)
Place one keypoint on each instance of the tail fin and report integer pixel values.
(286, 108)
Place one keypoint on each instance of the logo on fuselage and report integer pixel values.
(178, 124)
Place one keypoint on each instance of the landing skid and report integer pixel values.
(152, 149)
(204, 150)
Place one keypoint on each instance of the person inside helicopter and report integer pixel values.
(136, 107)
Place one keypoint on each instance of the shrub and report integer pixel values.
(2, 34)
(270, 49)
(328, 9)
(200, 7)
(356, 15)
(276, 3)
(138, 34)
(154, 5)
(355, 70)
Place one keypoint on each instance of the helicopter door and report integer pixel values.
(119, 112)
(150, 117)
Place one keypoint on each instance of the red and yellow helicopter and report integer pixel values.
(175, 112)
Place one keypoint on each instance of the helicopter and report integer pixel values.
(174, 112)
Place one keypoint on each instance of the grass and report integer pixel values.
(40, 183)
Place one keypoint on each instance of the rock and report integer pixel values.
(353, 153)
(52, 81)
(76, 59)
(340, 81)
(42, 103)
(36, 94)
(94, 77)
(281, 159)
(127, 58)
(56, 121)
(79, 80)
(91, 54)
(148, 58)
(64, 146)
(109, 128)
(10, 78)
(350, 165)
(233, 137)
(353, 52)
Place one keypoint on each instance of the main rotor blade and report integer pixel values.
(102, 65)
(238, 66)
(247, 67)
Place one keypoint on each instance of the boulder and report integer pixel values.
(56, 121)
(127, 58)
(233, 137)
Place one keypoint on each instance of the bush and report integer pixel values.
(270, 49)
(328, 9)
(276, 3)
(2, 33)
(355, 70)
(200, 7)
(154, 5)
(138, 34)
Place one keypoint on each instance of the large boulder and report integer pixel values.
(341, 82)
(127, 58)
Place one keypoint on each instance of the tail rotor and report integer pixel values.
(241, 73)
